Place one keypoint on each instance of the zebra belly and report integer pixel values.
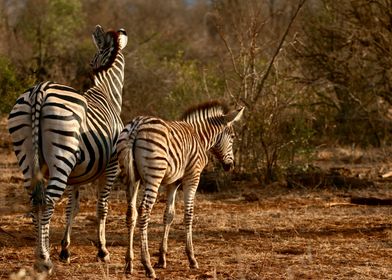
(89, 169)
(172, 175)
(95, 151)
(75, 155)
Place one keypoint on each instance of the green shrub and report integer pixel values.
(11, 85)
(193, 84)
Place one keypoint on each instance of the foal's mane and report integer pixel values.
(213, 108)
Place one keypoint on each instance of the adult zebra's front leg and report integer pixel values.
(71, 211)
(105, 186)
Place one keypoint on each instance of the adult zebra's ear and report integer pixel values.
(234, 116)
(99, 37)
(122, 38)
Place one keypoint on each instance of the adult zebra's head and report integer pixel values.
(223, 147)
(108, 46)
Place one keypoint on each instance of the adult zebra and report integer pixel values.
(171, 153)
(69, 138)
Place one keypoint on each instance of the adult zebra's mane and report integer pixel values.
(114, 49)
(206, 110)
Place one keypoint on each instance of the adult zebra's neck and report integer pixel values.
(110, 81)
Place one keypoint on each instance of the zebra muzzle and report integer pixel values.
(228, 166)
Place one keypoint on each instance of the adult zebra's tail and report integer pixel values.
(37, 182)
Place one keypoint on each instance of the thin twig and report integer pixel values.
(10, 234)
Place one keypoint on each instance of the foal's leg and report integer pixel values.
(149, 198)
(131, 223)
(189, 186)
(167, 220)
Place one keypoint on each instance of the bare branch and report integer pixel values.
(265, 76)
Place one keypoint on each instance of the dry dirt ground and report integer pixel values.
(250, 231)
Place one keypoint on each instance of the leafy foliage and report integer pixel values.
(11, 85)
(49, 30)
(345, 59)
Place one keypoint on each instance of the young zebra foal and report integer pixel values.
(155, 152)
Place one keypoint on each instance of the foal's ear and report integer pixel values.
(234, 116)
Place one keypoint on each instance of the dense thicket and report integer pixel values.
(309, 72)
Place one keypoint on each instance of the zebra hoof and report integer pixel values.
(65, 256)
(151, 274)
(103, 256)
(193, 264)
(43, 266)
(128, 269)
(161, 263)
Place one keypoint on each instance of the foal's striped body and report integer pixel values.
(155, 152)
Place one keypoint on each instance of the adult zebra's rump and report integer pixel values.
(69, 138)
(155, 152)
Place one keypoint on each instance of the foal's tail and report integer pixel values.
(125, 144)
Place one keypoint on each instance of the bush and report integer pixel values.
(11, 85)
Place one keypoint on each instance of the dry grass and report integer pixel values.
(284, 235)
(251, 232)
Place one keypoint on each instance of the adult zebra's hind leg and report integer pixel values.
(41, 218)
(71, 211)
(131, 223)
(167, 220)
(43, 208)
(105, 186)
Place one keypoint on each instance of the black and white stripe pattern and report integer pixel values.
(155, 152)
(69, 138)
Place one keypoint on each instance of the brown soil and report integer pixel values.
(278, 231)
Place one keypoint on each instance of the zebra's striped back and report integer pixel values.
(158, 152)
(178, 146)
